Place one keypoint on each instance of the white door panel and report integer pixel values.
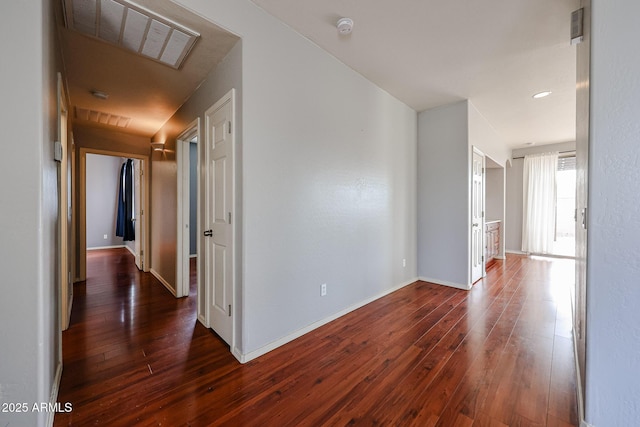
(477, 217)
(219, 139)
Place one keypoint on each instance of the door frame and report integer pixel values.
(137, 186)
(183, 145)
(65, 246)
(82, 206)
(476, 150)
(583, 138)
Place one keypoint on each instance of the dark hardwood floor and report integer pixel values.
(426, 355)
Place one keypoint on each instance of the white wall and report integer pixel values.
(513, 220)
(494, 194)
(446, 137)
(28, 217)
(514, 194)
(103, 173)
(329, 180)
(443, 195)
(483, 136)
(495, 201)
(613, 264)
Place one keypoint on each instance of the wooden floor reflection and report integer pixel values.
(426, 355)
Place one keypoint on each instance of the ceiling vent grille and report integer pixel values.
(131, 27)
(101, 117)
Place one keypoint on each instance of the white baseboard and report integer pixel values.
(238, 355)
(445, 283)
(244, 358)
(553, 256)
(193, 256)
(202, 320)
(509, 251)
(130, 250)
(53, 398)
(164, 282)
(579, 390)
(95, 248)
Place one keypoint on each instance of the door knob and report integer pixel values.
(475, 224)
(208, 233)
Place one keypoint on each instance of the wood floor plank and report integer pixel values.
(426, 355)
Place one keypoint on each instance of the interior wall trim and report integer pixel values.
(579, 390)
(163, 281)
(445, 283)
(97, 248)
(53, 398)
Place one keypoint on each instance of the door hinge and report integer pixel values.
(141, 253)
(229, 310)
(229, 126)
(579, 329)
(229, 218)
(141, 212)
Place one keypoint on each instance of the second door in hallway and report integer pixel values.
(219, 277)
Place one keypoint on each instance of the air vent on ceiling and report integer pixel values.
(132, 27)
(101, 117)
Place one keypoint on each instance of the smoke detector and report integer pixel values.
(345, 25)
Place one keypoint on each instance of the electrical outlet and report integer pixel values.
(404, 262)
(105, 237)
(323, 290)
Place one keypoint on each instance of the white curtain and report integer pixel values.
(539, 203)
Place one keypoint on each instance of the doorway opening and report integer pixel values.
(188, 215)
(113, 204)
(99, 178)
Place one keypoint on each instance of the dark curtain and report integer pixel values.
(124, 222)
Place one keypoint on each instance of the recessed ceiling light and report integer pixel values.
(541, 94)
(529, 143)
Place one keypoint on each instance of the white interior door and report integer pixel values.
(477, 217)
(137, 203)
(219, 276)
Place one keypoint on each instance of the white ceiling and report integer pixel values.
(141, 89)
(428, 53)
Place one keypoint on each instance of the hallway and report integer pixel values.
(426, 355)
